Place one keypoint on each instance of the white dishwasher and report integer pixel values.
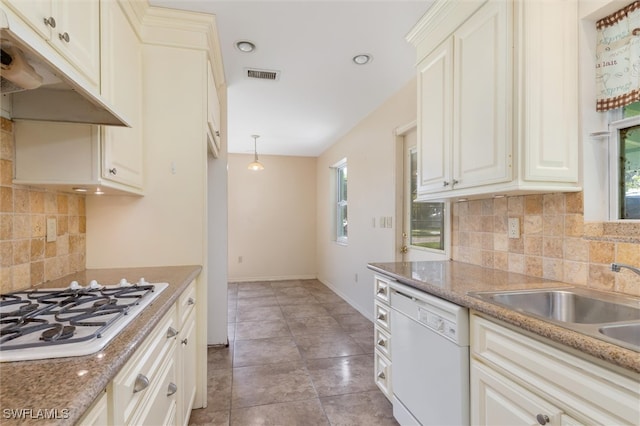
(430, 347)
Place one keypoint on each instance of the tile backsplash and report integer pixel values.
(555, 242)
(26, 259)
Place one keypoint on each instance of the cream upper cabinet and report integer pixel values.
(121, 84)
(70, 26)
(497, 98)
(213, 114)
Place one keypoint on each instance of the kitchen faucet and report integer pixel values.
(615, 267)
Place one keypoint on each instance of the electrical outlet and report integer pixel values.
(514, 227)
(52, 232)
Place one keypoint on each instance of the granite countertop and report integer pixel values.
(452, 281)
(70, 385)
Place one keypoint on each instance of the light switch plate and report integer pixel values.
(52, 231)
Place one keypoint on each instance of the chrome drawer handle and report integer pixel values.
(190, 301)
(381, 291)
(171, 389)
(171, 332)
(113, 171)
(382, 317)
(381, 375)
(185, 341)
(142, 382)
(64, 37)
(543, 419)
(50, 22)
(382, 343)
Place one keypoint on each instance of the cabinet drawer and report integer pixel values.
(589, 390)
(383, 342)
(382, 316)
(146, 362)
(381, 289)
(382, 373)
(160, 405)
(186, 303)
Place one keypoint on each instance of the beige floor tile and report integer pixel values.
(219, 357)
(265, 351)
(261, 329)
(268, 384)
(205, 416)
(339, 308)
(304, 310)
(313, 325)
(303, 413)
(219, 390)
(262, 313)
(364, 338)
(354, 322)
(284, 300)
(342, 375)
(256, 302)
(254, 292)
(327, 345)
(365, 408)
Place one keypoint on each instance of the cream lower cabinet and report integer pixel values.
(497, 98)
(187, 308)
(520, 380)
(382, 335)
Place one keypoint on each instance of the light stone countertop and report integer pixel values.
(55, 384)
(452, 281)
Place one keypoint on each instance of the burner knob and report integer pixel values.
(142, 281)
(124, 283)
(74, 285)
(93, 284)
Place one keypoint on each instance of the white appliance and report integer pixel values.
(73, 321)
(430, 346)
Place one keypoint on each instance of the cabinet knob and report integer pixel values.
(543, 419)
(191, 301)
(113, 171)
(50, 22)
(455, 182)
(185, 341)
(382, 317)
(381, 375)
(382, 343)
(445, 183)
(64, 37)
(171, 389)
(142, 382)
(381, 291)
(171, 332)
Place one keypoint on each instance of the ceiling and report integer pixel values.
(320, 93)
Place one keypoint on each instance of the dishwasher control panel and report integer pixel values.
(437, 323)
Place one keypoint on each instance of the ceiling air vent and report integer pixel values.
(263, 74)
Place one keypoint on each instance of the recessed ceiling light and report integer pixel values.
(362, 59)
(245, 46)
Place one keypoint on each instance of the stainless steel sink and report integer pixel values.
(567, 306)
(629, 333)
(611, 317)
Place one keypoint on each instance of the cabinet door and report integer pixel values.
(482, 91)
(35, 12)
(550, 127)
(77, 35)
(122, 147)
(434, 120)
(187, 377)
(497, 401)
(213, 113)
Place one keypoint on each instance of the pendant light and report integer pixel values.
(256, 166)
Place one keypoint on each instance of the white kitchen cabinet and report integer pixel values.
(497, 98)
(516, 377)
(98, 413)
(213, 114)
(62, 156)
(71, 27)
(187, 354)
(65, 156)
(145, 390)
(382, 335)
(121, 85)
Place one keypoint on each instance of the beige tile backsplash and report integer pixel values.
(555, 242)
(25, 257)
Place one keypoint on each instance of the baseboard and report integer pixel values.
(270, 278)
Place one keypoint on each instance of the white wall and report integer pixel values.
(272, 218)
(370, 151)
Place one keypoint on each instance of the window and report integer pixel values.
(427, 219)
(625, 163)
(341, 201)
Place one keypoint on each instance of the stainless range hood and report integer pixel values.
(46, 87)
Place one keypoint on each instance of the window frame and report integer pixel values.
(617, 122)
(340, 202)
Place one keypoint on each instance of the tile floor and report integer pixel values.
(298, 355)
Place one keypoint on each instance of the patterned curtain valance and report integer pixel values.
(618, 58)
